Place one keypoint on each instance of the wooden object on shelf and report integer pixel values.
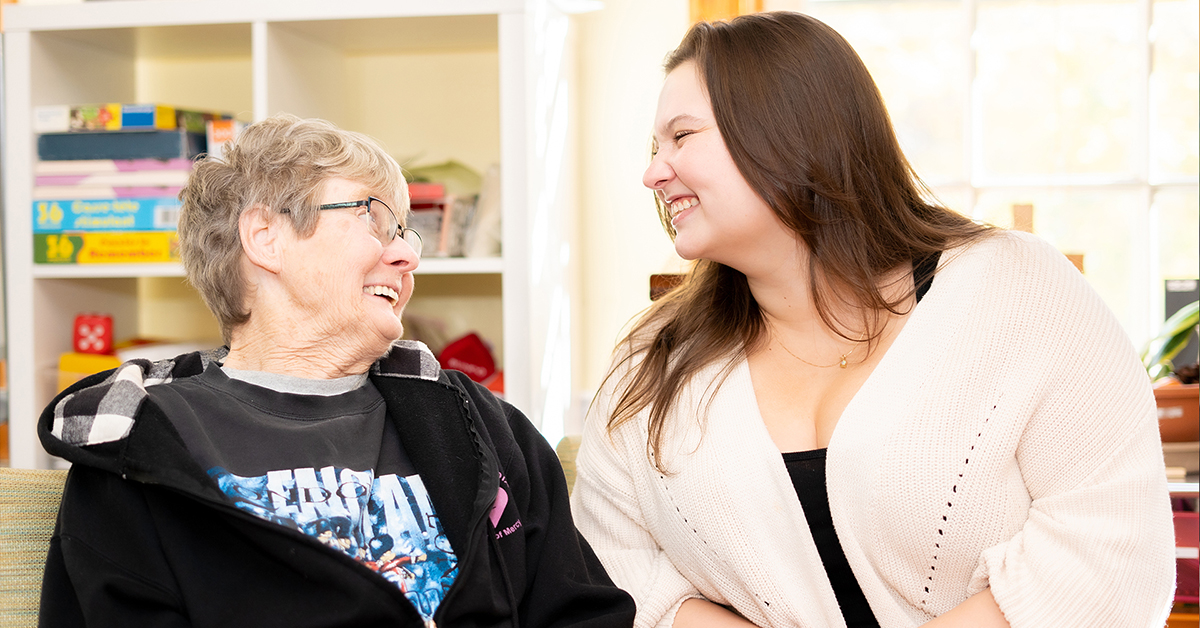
(710, 10)
(1022, 219)
(1022, 215)
(1183, 619)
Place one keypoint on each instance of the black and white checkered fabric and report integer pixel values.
(105, 412)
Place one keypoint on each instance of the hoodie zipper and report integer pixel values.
(472, 543)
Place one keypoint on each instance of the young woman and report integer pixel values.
(861, 408)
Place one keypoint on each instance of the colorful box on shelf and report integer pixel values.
(84, 167)
(106, 247)
(174, 144)
(110, 192)
(156, 213)
(121, 117)
(73, 367)
(128, 178)
(220, 133)
(109, 178)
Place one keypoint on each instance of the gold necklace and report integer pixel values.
(840, 363)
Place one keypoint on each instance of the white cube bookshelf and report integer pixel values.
(480, 81)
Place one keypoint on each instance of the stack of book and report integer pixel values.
(108, 177)
(443, 219)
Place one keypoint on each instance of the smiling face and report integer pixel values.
(344, 284)
(715, 213)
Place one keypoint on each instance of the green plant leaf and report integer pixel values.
(1171, 339)
(1159, 371)
(1182, 321)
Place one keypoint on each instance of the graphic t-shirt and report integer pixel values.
(320, 457)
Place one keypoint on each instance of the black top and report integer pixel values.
(345, 431)
(327, 464)
(807, 469)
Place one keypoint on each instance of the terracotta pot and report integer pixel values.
(1178, 412)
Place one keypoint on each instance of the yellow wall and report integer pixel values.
(423, 125)
(621, 53)
(187, 83)
(169, 309)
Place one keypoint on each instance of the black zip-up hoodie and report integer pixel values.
(145, 537)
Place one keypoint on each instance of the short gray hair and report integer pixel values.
(280, 163)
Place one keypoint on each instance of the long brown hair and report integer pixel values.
(807, 127)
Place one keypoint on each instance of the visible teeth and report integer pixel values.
(681, 205)
(382, 291)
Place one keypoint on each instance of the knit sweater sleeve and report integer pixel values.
(1097, 547)
(607, 512)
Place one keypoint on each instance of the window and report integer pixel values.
(1086, 109)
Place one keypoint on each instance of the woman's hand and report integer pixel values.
(978, 611)
(698, 612)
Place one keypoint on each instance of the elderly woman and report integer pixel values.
(317, 471)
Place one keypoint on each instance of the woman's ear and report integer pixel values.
(260, 230)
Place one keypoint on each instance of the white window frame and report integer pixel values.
(1146, 307)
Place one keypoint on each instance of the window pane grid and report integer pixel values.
(1087, 109)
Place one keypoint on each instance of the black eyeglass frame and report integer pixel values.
(394, 227)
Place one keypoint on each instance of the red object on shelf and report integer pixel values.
(496, 384)
(93, 333)
(427, 197)
(470, 355)
(1187, 570)
(426, 192)
(1187, 527)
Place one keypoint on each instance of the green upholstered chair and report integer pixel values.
(28, 509)
(567, 449)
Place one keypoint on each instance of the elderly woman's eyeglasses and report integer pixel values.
(381, 220)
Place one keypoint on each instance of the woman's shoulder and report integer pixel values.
(1020, 278)
(999, 242)
(1012, 257)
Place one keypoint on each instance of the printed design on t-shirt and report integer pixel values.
(500, 524)
(387, 523)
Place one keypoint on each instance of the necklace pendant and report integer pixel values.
(843, 362)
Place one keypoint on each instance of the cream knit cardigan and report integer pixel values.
(1008, 439)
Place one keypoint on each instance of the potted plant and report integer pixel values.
(1175, 387)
